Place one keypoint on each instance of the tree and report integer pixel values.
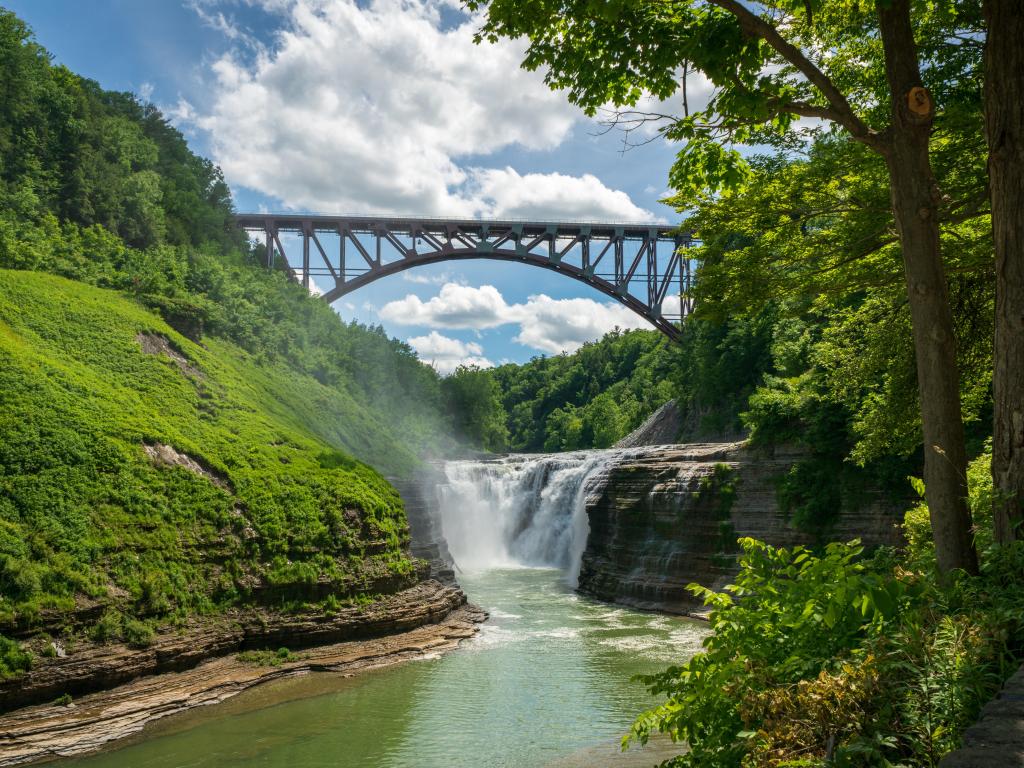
(856, 69)
(1004, 123)
(473, 402)
(604, 420)
(563, 429)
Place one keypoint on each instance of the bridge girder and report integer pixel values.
(647, 261)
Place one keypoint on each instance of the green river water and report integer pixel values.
(546, 683)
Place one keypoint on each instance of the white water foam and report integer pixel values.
(522, 510)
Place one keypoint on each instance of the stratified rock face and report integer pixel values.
(997, 739)
(54, 730)
(662, 520)
(419, 493)
(88, 666)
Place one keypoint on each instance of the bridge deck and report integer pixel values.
(296, 222)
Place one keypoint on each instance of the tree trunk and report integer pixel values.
(915, 198)
(1004, 127)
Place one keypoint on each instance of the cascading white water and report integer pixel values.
(521, 510)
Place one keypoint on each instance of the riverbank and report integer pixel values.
(207, 663)
(547, 681)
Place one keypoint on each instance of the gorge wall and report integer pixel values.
(670, 516)
(427, 541)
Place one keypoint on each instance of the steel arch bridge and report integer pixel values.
(638, 265)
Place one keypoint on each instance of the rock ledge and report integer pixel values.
(199, 667)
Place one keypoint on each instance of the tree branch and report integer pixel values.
(805, 110)
(686, 99)
(841, 112)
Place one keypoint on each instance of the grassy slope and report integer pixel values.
(85, 515)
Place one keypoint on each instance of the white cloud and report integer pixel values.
(421, 279)
(506, 193)
(182, 113)
(456, 306)
(447, 354)
(563, 325)
(547, 324)
(314, 289)
(218, 21)
(373, 107)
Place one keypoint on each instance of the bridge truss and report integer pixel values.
(643, 266)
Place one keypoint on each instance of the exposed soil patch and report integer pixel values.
(165, 454)
(155, 344)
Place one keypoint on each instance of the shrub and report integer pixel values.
(837, 659)
(138, 633)
(268, 658)
(14, 660)
(108, 628)
(789, 615)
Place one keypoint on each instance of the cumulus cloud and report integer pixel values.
(549, 325)
(456, 306)
(447, 354)
(563, 325)
(506, 193)
(383, 106)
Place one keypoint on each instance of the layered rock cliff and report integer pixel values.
(425, 620)
(118, 688)
(79, 665)
(661, 428)
(427, 542)
(670, 516)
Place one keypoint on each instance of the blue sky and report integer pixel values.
(380, 106)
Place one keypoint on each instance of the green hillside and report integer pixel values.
(181, 429)
(272, 510)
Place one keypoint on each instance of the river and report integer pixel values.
(545, 683)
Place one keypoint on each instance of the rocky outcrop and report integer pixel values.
(90, 722)
(155, 344)
(427, 542)
(661, 428)
(997, 739)
(87, 666)
(169, 456)
(670, 516)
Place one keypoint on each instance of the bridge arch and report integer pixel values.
(638, 265)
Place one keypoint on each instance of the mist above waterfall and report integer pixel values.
(521, 510)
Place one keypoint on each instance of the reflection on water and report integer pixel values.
(546, 682)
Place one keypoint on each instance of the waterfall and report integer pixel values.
(521, 510)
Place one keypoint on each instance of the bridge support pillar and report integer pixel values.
(306, 233)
